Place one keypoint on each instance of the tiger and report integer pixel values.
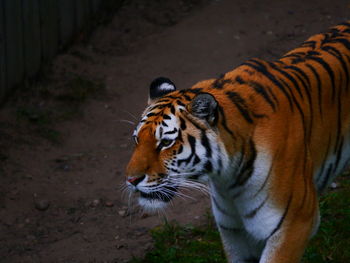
(267, 138)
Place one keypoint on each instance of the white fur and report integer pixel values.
(166, 86)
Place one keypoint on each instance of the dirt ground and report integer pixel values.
(63, 154)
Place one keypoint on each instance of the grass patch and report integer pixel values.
(332, 242)
(80, 89)
(174, 243)
(48, 105)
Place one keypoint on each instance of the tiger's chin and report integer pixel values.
(152, 205)
(155, 201)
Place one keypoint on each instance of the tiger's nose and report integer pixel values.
(136, 180)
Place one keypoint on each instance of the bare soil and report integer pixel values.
(65, 140)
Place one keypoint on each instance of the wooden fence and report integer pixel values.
(32, 31)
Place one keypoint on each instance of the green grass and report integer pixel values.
(332, 242)
(49, 106)
(174, 243)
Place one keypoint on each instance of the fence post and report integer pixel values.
(49, 28)
(66, 20)
(3, 84)
(31, 37)
(13, 42)
(82, 10)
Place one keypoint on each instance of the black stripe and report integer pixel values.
(344, 24)
(230, 229)
(263, 70)
(282, 217)
(265, 181)
(152, 114)
(172, 109)
(296, 103)
(294, 54)
(240, 80)
(239, 102)
(288, 76)
(182, 124)
(306, 185)
(339, 121)
(319, 88)
(171, 132)
(223, 121)
(252, 213)
(208, 167)
(219, 83)
(181, 148)
(308, 95)
(206, 144)
(310, 43)
(221, 209)
(180, 103)
(247, 169)
(179, 137)
(329, 70)
(196, 159)
(251, 260)
(335, 52)
(194, 90)
(192, 142)
(260, 89)
(194, 124)
(339, 152)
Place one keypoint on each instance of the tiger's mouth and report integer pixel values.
(165, 194)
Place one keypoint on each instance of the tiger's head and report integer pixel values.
(176, 144)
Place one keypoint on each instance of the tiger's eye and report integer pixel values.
(166, 142)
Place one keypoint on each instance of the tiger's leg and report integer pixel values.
(287, 244)
(239, 246)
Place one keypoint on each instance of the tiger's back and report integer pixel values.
(268, 136)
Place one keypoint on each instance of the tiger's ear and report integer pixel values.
(204, 106)
(160, 87)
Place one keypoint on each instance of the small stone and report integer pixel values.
(144, 215)
(42, 204)
(95, 203)
(31, 237)
(109, 204)
(334, 185)
(119, 246)
(122, 213)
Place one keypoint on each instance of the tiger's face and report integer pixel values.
(176, 144)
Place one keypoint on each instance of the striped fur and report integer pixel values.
(268, 137)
